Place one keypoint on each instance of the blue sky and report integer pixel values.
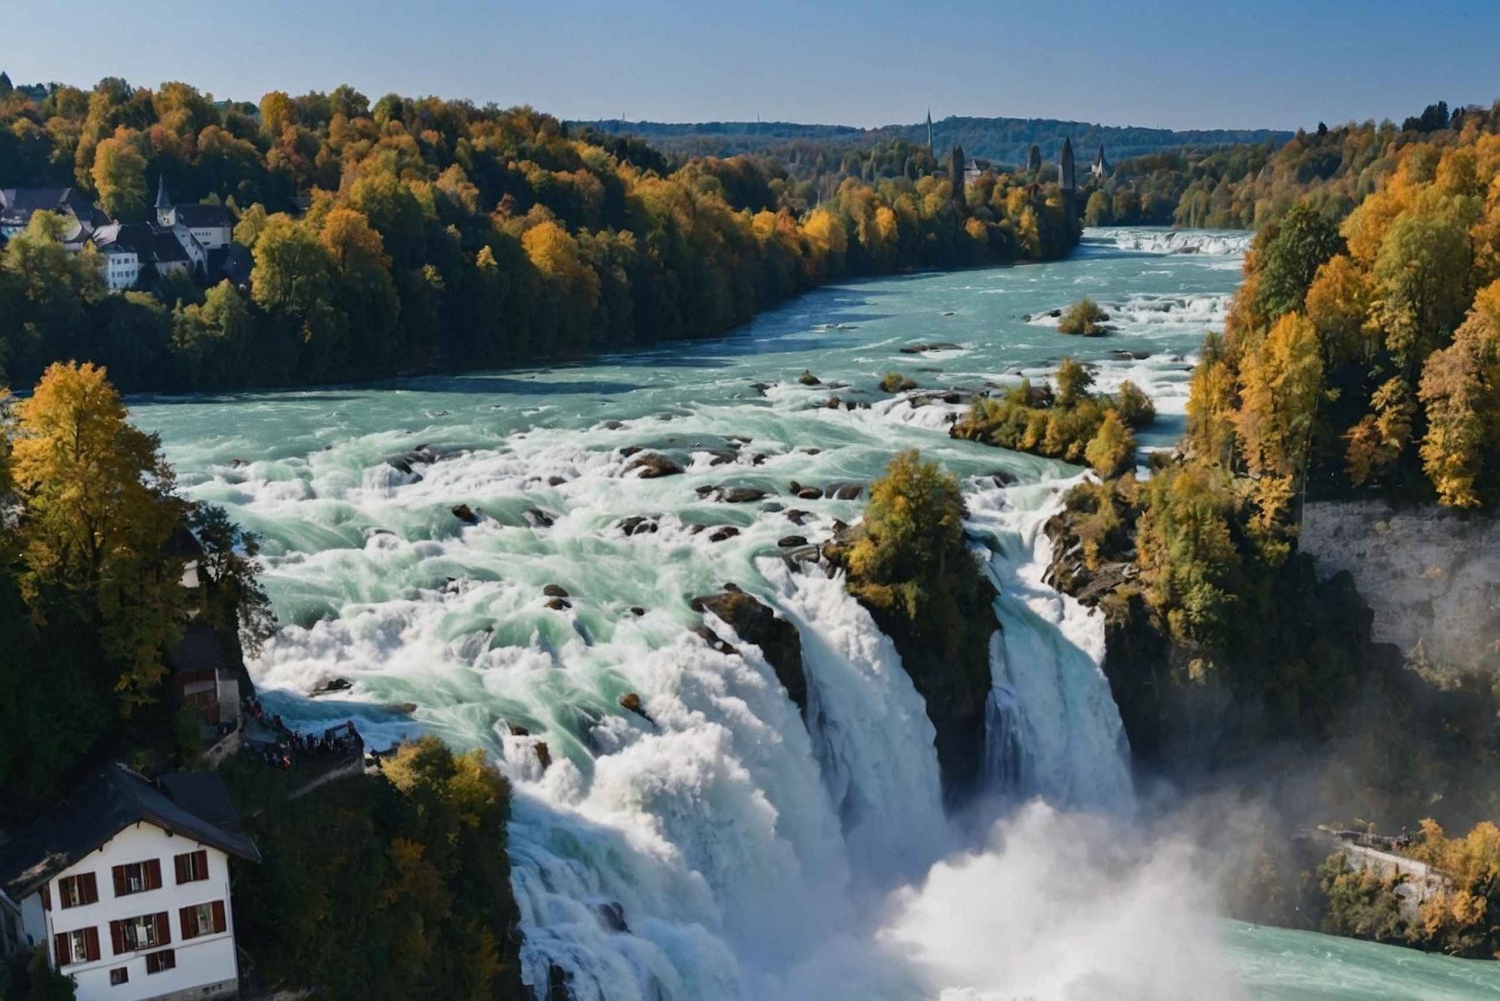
(1176, 63)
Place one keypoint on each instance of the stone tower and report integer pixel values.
(166, 215)
(956, 163)
(1033, 159)
(1065, 172)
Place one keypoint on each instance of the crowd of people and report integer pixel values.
(334, 742)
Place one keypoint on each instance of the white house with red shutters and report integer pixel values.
(126, 883)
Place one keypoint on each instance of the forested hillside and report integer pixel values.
(422, 234)
(1002, 140)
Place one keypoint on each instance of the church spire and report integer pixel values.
(163, 201)
(930, 147)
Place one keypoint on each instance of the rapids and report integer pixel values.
(753, 856)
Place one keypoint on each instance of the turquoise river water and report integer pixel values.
(751, 853)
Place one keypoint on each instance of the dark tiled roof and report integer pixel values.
(202, 216)
(198, 651)
(20, 203)
(152, 245)
(182, 542)
(193, 805)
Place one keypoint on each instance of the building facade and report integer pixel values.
(127, 885)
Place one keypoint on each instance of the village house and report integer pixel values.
(18, 205)
(127, 885)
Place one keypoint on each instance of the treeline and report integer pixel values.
(1250, 185)
(422, 234)
(91, 599)
(1003, 140)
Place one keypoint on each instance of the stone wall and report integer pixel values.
(1431, 575)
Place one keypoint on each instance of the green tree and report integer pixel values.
(1288, 256)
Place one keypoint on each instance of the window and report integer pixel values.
(118, 976)
(145, 932)
(137, 877)
(192, 867)
(203, 919)
(156, 962)
(75, 891)
(81, 946)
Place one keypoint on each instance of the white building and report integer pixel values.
(210, 227)
(127, 885)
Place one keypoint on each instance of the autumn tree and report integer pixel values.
(1288, 255)
(119, 176)
(98, 507)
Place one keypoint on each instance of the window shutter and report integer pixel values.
(189, 918)
(60, 949)
(219, 923)
(119, 874)
(163, 929)
(182, 870)
(46, 896)
(117, 937)
(153, 874)
(202, 864)
(91, 942)
(90, 888)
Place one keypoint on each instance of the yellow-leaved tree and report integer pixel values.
(98, 506)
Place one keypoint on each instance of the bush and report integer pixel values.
(1083, 317)
(1112, 449)
(895, 382)
(1134, 406)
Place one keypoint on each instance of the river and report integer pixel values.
(723, 848)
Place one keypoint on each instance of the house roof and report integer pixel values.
(148, 242)
(18, 204)
(202, 216)
(193, 804)
(198, 651)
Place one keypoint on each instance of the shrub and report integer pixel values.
(895, 382)
(1134, 406)
(1083, 317)
(1112, 449)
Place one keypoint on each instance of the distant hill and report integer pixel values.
(1004, 140)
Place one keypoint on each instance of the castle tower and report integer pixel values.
(1033, 159)
(166, 215)
(1065, 171)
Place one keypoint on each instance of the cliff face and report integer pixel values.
(1431, 575)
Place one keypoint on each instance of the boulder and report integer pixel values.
(791, 541)
(543, 754)
(559, 604)
(517, 730)
(808, 379)
(638, 524)
(556, 481)
(331, 686)
(755, 622)
(537, 518)
(637, 611)
(654, 465)
(917, 349)
(555, 591)
(631, 702)
(844, 491)
(465, 514)
(714, 641)
(612, 916)
(723, 533)
(629, 450)
(740, 495)
(797, 516)
(758, 459)
(1003, 477)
